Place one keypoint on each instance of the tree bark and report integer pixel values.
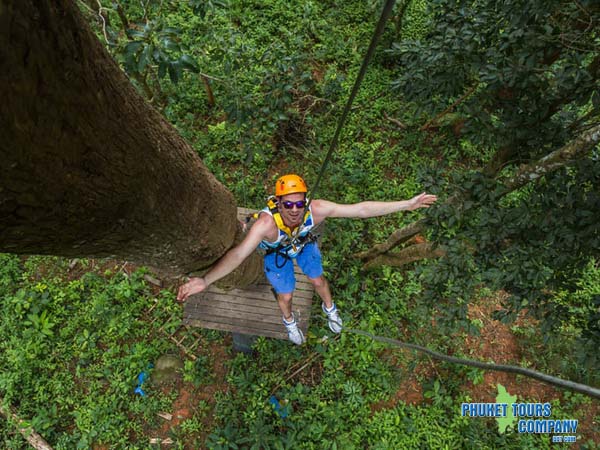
(209, 92)
(393, 240)
(561, 157)
(88, 168)
(407, 255)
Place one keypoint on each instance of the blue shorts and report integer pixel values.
(283, 279)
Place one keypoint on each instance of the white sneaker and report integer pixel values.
(294, 333)
(333, 318)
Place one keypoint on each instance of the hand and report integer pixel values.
(422, 200)
(192, 287)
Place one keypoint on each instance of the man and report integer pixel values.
(283, 230)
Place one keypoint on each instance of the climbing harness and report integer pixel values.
(290, 242)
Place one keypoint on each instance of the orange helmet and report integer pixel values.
(289, 184)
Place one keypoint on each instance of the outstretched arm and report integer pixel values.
(323, 208)
(230, 261)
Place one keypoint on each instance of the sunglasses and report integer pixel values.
(299, 204)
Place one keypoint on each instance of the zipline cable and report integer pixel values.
(385, 14)
(548, 379)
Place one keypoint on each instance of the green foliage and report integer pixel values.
(530, 244)
(518, 88)
(202, 7)
(141, 37)
(522, 66)
(156, 45)
(280, 71)
(10, 272)
(198, 371)
(575, 308)
(575, 316)
(70, 353)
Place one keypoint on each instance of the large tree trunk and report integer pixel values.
(87, 167)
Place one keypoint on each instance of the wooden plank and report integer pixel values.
(225, 311)
(204, 305)
(265, 295)
(242, 213)
(249, 312)
(253, 310)
(226, 323)
(270, 322)
(256, 315)
(249, 299)
(274, 325)
(256, 304)
(239, 314)
(247, 330)
(216, 323)
(243, 323)
(232, 302)
(243, 303)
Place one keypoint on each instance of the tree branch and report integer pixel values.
(407, 255)
(395, 239)
(379, 254)
(123, 17)
(396, 122)
(555, 160)
(31, 436)
(449, 109)
(141, 79)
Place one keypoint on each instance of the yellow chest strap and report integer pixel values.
(283, 227)
(279, 220)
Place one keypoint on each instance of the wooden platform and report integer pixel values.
(253, 310)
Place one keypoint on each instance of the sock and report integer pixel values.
(290, 322)
(327, 309)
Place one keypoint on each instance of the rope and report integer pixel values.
(385, 14)
(548, 379)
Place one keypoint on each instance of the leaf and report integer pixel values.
(189, 63)
(199, 8)
(162, 69)
(170, 44)
(171, 31)
(510, 419)
(143, 61)
(130, 64)
(174, 72)
(132, 47)
(135, 33)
